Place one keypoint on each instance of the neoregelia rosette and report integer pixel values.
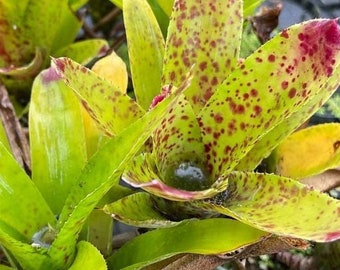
(231, 116)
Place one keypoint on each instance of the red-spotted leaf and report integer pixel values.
(138, 210)
(112, 109)
(101, 173)
(209, 236)
(273, 83)
(270, 140)
(143, 173)
(206, 35)
(278, 205)
(178, 149)
(308, 151)
(146, 49)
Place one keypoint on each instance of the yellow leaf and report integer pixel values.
(113, 69)
(309, 151)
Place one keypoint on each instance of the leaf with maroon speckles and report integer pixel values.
(105, 102)
(101, 173)
(146, 49)
(178, 141)
(278, 205)
(270, 86)
(206, 34)
(309, 151)
(138, 210)
(270, 140)
(142, 173)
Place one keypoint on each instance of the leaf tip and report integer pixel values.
(49, 75)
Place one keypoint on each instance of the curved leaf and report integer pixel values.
(178, 141)
(104, 101)
(142, 173)
(270, 140)
(26, 255)
(249, 7)
(83, 51)
(308, 151)
(100, 174)
(57, 139)
(278, 205)
(268, 88)
(138, 210)
(23, 209)
(113, 69)
(199, 35)
(88, 257)
(210, 236)
(146, 49)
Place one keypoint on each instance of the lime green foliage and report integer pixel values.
(210, 236)
(191, 140)
(50, 149)
(88, 258)
(230, 117)
(30, 35)
(146, 55)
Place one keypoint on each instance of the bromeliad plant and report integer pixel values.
(202, 121)
(201, 159)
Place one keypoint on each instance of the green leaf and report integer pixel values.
(138, 210)
(104, 101)
(166, 5)
(24, 210)
(43, 15)
(88, 258)
(11, 15)
(268, 88)
(308, 151)
(83, 51)
(270, 140)
(205, 36)
(210, 236)
(102, 172)
(26, 255)
(146, 49)
(278, 205)
(249, 7)
(58, 146)
(76, 4)
(31, 69)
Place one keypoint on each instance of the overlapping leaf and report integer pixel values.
(100, 174)
(178, 141)
(57, 157)
(271, 89)
(278, 205)
(142, 173)
(308, 152)
(105, 102)
(138, 210)
(210, 236)
(269, 141)
(23, 213)
(83, 51)
(200, 35)
(88, 258)
(146, 49)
